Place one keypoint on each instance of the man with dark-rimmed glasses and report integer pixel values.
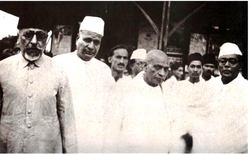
(225, 129)
(231, 102)
(36, 103)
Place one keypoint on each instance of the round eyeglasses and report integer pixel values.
(231, 61)
(40, 35)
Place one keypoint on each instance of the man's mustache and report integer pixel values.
(121, 64)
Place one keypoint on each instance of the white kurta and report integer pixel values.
(216, 115)
(170, 82)
(142, 120)
(90, 83)
(228, 120)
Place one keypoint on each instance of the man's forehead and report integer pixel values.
(195, 62)
(160, 63)
(32, 29)
(229, 56)
(121, 51)
(209, 64)
(139, 60)
(87, 33)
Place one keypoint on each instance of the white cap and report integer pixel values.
(139, 54)
(228, 49)
(94, 24)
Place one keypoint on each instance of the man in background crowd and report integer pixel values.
(119, 60)
(90, 81)
(194, 63)
(208, 67)
(177, 74)
(137, 61)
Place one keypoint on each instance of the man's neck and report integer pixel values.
(194, 80)
(227, 80)
(117, 75)
(178, 79)
(206, 77)
(149, 83)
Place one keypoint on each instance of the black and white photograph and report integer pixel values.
(124, 77)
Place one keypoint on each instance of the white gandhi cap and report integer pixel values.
(139, 54)
(94, 24)
(228, 49)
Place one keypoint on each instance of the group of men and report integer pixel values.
(74, 102)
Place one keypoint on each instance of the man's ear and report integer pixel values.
(145, 67)
(77, 37)
(241, 66)
(109, 59)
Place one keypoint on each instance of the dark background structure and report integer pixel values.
(123, 19)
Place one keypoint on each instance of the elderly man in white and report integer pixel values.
(90, 81)
(142, 119)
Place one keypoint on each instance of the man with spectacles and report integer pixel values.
(230, 64)
(231, 114)
(224, 128)
(36, 105)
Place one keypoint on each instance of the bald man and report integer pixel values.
(142, 115)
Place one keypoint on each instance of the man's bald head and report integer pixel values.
(155, 54)
(156, 68)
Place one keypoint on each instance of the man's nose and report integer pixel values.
(91, 45)
(210, 68)
(34, 39)
(227, 63)
(122, 60)
(162, 72)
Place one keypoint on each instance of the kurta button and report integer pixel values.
(29, 125)
(32, 66)
(29, 111)
(30, 95)
(31, 81)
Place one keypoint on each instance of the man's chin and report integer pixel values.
(226, 74)
(32, 57)
(120, 69)
(87, 57)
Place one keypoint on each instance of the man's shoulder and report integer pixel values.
(100, 64)
(63, 56)
(10, 59)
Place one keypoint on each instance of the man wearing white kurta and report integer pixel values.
(224, 128)
(142, 119)
(90, 81)
(190, 91)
